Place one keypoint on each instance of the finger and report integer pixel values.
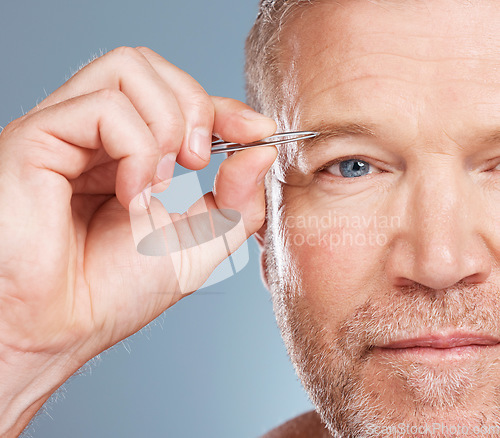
(196, 106)
(127, 70)
(64, 137)
(239, 188)
(100, 180)
(237, 122)
(228, 118)
(239, 185)
(243, 124)
(215, 226)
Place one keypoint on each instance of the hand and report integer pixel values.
(72, 282)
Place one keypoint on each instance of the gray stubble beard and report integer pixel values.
(334, 370)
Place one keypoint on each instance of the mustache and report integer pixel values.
(412, 310)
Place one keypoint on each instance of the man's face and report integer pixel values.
(398, 236)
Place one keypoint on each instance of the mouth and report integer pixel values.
(432, 346)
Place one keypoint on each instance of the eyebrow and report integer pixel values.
(329, 130)
(490, 137)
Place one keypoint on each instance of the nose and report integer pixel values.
(441, 238)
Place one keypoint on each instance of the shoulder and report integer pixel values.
(306, 425)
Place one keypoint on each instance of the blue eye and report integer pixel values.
(351, 168)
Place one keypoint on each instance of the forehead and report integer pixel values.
(418, 30)
(419, 57)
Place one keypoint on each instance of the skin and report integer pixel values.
(427, 74)
(72, 282)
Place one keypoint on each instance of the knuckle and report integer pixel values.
(175, 128)
(171, 134)
(224, 100)
(152, 57)
(229, 107)
(145, 50)
(12, 127)
(127, 54)
(260, 214)
(201, 106)
(257, 217)
(108, 96)
(227, 172)
(22, 127)
(227, 102)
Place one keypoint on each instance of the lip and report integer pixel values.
(439, 349)
(441, 341)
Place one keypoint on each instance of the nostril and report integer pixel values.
(478, 277)
(402, 282)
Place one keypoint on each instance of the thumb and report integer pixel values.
(217, 224)
(237, 200)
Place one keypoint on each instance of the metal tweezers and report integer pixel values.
(220, 146)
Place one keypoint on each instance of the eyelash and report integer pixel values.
(339, 160)
(322, 169)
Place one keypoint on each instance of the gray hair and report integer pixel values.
(262, 68)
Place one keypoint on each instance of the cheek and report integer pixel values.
(337, 246)
(338, 253)
(338, 261)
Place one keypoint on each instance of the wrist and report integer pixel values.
(27, 380)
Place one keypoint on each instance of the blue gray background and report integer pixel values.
(213, 365)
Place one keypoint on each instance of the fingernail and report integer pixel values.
(145, 197)
(253, 115)
(261, 176)
(199, 143)
(165, 168)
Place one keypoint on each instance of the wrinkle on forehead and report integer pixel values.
(323, 30)
(327, 46)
